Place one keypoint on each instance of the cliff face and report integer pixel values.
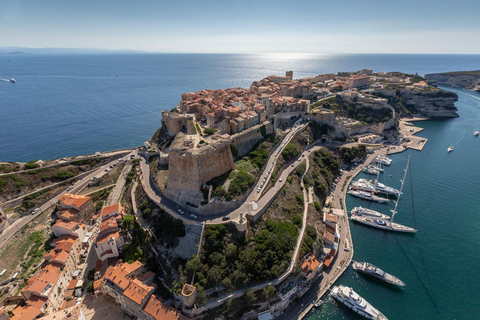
(432, 104)
(191, 165)
(467, 80)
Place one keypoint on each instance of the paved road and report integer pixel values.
(249, 206)
(19, 223)
(343, 259)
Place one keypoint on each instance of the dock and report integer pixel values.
(408, 130)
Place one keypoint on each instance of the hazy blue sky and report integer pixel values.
(257, 26)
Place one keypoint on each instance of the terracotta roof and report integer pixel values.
(132, 267)
(107, 236)
(30, 310)
(111, 209)
(137, 291)
(69, 199)
(118, 276)
(64, 238)
(161, 311)
(331, 217)
(310, 263)
(68, 214)
(329, 236)
(107, 224)
(70, 225)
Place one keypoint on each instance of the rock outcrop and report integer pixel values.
(431, 103)
(465, 80)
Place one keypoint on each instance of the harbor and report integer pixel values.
(413, 258)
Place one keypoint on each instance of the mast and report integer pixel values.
(394, 211)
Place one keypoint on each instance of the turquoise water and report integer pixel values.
(67, 105)
(439, 263)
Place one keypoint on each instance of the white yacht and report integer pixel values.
(372, 170)
(361, 211)
(387, 225)
(384, 160)
(351, 299)
(362, 186)
(367, 196)
(450, 149)
(376, 272)
(476, 133)
(13, 80)
(380, 187)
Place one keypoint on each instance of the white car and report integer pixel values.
(193, 216)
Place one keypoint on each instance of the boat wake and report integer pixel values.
(6, 80)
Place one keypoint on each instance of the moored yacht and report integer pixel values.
(384, 160)
(367, 196)
(376, 272)
(372, 170)
(351, 299)
(361, 211)
(362, 186)
(380, 187)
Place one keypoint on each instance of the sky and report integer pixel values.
(245, 26)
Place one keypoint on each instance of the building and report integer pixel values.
(310, 266)
(132, 289)
(358, 81)
(116, 211)
(72, 207)
(109, 242)
(70, 228)
(72, 313)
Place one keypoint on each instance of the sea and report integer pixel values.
(74, 104)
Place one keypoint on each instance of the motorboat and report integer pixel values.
(352, 300)
(13, 80)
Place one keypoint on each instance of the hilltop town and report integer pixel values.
(239, 196)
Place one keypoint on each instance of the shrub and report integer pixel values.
(299, 199)
(289, 152)
(209, 131)
(240, 183)
(31, 165)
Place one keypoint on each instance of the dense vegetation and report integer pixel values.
(259, 156)
(350, 154)
(230, 259)
(209, 131)
(290, 151)
(241, 183)
(323, 170)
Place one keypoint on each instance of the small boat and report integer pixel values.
(372, 170)
(351, 299)
(450, 149)
(13, 80)
(384, 160)
(318, 303)
(376, 272)
(476, 133)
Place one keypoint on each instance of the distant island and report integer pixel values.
(14, 52)
(457, 79)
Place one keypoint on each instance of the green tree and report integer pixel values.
(146, 213)
(127, 222)
(290, 151)
(251, 297)
(269, 292)
(209, 131)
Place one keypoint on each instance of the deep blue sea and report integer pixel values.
(66, 105)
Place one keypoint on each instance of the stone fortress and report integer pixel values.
(206, 123)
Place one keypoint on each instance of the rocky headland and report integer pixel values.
(459, 79)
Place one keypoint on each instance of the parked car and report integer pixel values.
(226, 218)
(193, 216)
(69, 188)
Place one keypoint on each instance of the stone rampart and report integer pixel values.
(248, 138)
(192, 164)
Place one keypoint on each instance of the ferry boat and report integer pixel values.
(360, 211)
(384, 160)
(476, 133)
(380, 187)
(351, 299)
(376, 272)
(367, 196)
(450, 149)
(13, 80)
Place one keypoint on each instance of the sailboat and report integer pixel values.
(385, 224)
